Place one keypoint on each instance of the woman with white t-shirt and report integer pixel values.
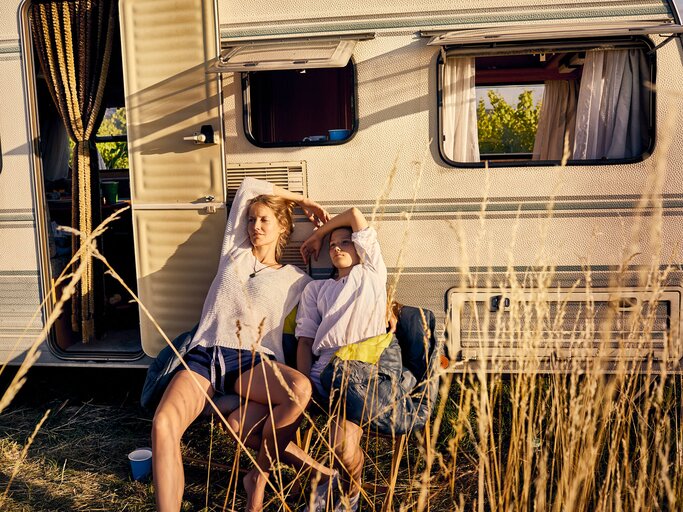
(241, 326)
(335, 312)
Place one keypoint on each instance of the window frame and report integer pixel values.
(485, 49)
(246, 124)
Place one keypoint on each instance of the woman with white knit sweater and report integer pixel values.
(241, 326)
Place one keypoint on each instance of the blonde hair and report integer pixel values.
(283, 211)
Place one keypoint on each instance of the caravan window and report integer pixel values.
(300, 107)
(583, 103)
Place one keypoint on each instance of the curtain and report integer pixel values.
(613, 106)
(459, 111)
(557, 120)
(73, 41)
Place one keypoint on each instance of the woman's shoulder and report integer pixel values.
(367, 234)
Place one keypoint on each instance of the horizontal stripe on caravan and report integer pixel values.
(326, 272)
(513, 215)
(503, 204)
(25, 214)
(451, 18)
(599, 199)
(16, 224)
(9, 46)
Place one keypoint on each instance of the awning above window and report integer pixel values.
(528, 32)
(327, 52)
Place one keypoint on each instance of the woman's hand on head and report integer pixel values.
(311, 247)
(315, 213)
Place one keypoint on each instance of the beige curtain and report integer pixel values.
(459, 112)
(613, 106)
(73, 41)
(557, 121)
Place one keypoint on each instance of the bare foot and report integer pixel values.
(255, 485)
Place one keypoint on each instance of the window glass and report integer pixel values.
(110, 140)
(300, 107)
(580, 104)
(507, 119)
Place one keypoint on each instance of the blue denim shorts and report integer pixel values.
(221, 365)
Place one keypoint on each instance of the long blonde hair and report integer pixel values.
(284, 211)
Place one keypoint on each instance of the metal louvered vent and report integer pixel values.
(612, 325)
(288, 175)
(291, 255)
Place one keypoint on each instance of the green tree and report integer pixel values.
(507, 129)
(114, 154)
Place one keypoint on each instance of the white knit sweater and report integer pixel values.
(242, 311)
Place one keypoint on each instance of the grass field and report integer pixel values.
(591, 437)
(77, 460)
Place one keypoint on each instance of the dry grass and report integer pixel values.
(579, 439)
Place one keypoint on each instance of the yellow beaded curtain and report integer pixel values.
(73, 42)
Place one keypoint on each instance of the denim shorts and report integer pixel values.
(222, 365)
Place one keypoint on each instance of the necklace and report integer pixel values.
(253, 274)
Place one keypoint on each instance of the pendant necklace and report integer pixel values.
(253, 274)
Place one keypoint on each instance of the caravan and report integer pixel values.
(371, 105)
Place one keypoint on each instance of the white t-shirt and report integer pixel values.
(242, 311)
(337, 313)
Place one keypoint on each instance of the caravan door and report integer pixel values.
(175, 154)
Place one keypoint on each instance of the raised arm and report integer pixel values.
(352, 218)
(315, 213)
(236, 228)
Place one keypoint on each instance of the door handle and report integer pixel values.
(205, 135)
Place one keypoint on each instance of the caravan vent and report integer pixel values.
(616, 324)
(292, 256)
(288, 175)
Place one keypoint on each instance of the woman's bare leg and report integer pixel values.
(251, 417)
(345, 439)
(182, 402)
(260, 384)
(247, 421)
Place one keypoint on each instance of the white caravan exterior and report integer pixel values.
(428, 211)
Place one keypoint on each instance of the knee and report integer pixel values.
(165, 426)
(234, 422)
(303, 390)
(351, 457)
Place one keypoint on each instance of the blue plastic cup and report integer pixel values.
(140, 463)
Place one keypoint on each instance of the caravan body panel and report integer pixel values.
(21, 292)
(436, 220)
